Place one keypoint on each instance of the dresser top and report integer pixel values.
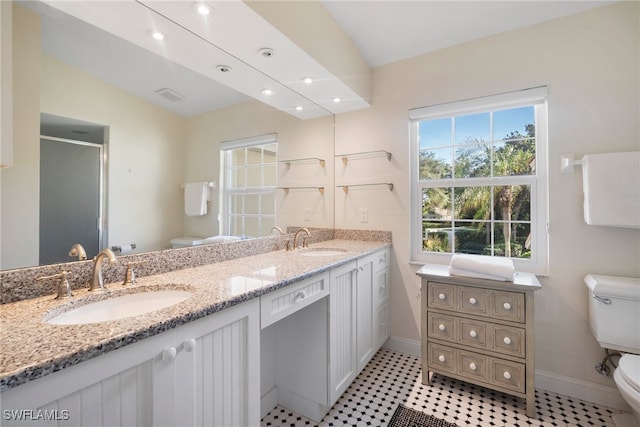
(440, 272)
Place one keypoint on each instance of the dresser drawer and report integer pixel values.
(283, 302)
(473, 333)
(441, 296)
(507, 306)
(441, 326)
(508, 340)
(509, 375)
(473, 300)
(473, 365)
(441, 357)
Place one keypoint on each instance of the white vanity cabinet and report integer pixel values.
(200, 373)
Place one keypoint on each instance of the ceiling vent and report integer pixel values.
(170, 94)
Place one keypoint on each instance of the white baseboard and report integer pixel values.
(584, 390)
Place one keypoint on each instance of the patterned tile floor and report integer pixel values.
(392, 378)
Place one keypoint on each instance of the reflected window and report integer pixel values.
(480, 179)
(248, 186)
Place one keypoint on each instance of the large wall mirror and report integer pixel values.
(159, 126)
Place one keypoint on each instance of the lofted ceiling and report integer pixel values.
(382, 32)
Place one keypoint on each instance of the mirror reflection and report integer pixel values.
(107, 137)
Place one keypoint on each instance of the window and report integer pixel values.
(479, 179)
(248, 182)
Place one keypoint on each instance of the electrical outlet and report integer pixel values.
(364, 215)
(307, 214)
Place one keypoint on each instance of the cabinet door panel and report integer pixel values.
(364, 311)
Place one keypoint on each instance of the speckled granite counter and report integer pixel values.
(32, 348)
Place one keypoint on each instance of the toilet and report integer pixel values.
(614, 316)
(186, 242)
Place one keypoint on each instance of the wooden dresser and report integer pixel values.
(479, 331)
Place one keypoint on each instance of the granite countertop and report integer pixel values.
(32, 348)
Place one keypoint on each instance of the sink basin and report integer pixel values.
(120, 307)
(322, 252)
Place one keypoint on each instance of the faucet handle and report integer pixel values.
(64, 289)
(130, 274)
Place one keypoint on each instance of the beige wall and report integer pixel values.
(590, 63)
(297, 139)
(19, 222)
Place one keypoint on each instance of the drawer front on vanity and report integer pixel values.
(496, 304)
(277, 305)
(479, 368)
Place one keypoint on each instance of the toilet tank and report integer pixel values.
(614, 311)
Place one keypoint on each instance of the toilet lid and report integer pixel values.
(629, 366)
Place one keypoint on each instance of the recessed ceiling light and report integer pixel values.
(223, 68)
(267, 92)
(157, 35)
(336, 100)
(202, 9)
(298, 108)
(266, 52)
(307, 80)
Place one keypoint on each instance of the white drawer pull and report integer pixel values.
(506, 340)
(473, 301)
(441, 327)
(441, 358)
(472, 366)
(169, 354)
(506, 375)
(299, 296)
(189, 345)
(506, 306)
(441, 297)
(473, 334)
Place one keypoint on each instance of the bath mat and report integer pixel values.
(407, 417)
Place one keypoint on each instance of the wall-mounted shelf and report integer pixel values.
(375, 153)
(307, 160)
(287, 189)
(345, 188)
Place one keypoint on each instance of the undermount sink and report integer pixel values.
(322, 251)
(120, 307)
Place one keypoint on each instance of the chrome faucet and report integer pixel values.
(97, 282)
(78, 251)
(304, 239)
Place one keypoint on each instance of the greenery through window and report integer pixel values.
(477, 182)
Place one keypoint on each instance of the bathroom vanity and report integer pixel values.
(289, 328)
(479, 331)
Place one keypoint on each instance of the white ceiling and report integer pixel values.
(388, 31)
(383, 31)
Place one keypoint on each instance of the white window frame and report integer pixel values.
(225, 194)
(538, 263)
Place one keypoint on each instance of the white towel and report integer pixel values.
(611, 186)
(195, 198)
(482, 267)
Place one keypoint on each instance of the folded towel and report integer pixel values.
(195, 198)
(483, 267)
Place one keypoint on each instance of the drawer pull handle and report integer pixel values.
(506, 306)
(189, 345)
(169, 354)
(473, 301)
(441, 327)
(299, 296)
(441, 297)
(506, 375)
(506, 340)
(472, 366)
(473, 334)
(441, 358)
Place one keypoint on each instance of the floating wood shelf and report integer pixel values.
(345, 188)
(307, 160)
(287, 189)
(375, 153)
